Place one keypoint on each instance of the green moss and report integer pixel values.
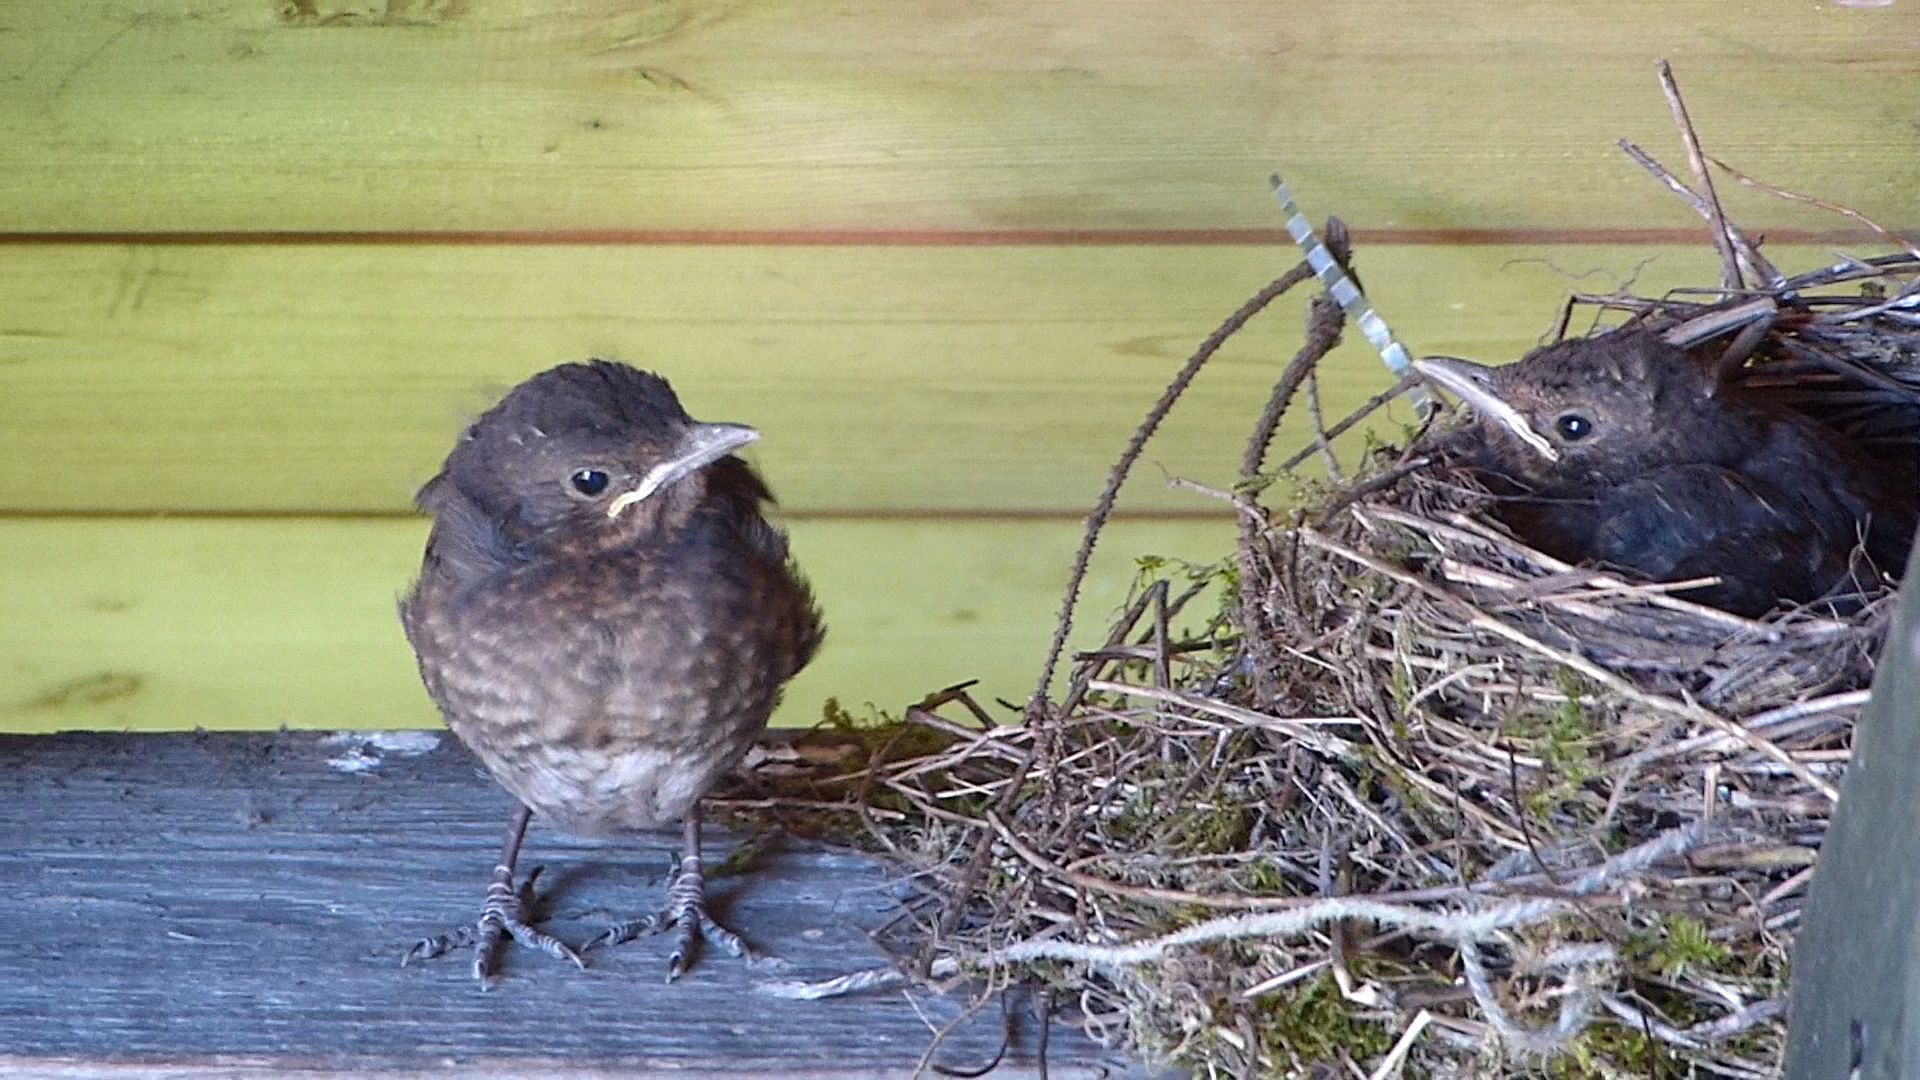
(1400, 689)
(1266, 876)
(1316, 1024)
(1200, 824)
(1562, 739)
(884, 738)
(1198, 619)
(1608, 1050)
(1222, 829)
(1684, 945)
(875, 730)
(1300, 490)
(1253, 485)
(1401, 549)
(1366, 779)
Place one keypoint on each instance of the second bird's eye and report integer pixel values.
(1573, 426)
(588, 482)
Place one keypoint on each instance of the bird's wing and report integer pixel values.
(1710, 521)
(466, 544)
(739, 508)
(1857, 496)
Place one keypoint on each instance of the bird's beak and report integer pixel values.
(702, 445)
(1473, 384)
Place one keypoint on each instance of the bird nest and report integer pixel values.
(1408, 792)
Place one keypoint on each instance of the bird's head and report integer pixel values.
(586, 455)
(1592, 409)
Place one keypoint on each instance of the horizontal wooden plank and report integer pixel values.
(978, 380)
(701, 114)
(169, 623)
(255, 927)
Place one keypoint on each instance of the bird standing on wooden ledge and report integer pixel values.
(1625, 450)
(606, 620)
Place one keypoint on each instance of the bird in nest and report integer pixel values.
(1624, 450)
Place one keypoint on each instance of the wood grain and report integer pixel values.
(312, 379)
(237, 905)
(168, 624)
(1854, 994)
(150, 115)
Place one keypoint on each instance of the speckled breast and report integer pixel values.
(612, 698)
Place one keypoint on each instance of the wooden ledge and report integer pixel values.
(239, 903)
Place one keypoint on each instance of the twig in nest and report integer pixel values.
(1327, 457)
(1373, 485)
(1324, 321)
(1096, 521)
(1753, 313)
(945, 1032)
(1888, 235)
(1397, 1057)
(1700, 1034)
(1730, 256)
(1581, 664)
(1103, 508)
(1707, 210)
(1351, 420)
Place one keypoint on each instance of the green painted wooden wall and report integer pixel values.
(261, 259)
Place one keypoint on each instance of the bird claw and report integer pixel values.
(432, 948)
(503, 916)
(622, 932)
(686, 911)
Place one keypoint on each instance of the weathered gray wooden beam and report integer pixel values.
(240, 902)
(1856, 967)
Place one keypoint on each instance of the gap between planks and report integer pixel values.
(1277, 238)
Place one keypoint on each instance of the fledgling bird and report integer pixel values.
(1625, 450)
(606, 619)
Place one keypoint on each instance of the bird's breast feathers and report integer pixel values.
(592, 793)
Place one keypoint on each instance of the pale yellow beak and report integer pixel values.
(1473, 384)
(703, 445)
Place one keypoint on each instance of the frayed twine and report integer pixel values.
(1466, 931)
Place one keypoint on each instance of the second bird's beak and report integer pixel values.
(1473, 384)
(702, 445)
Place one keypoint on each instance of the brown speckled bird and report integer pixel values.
(606, 620)
(1625, 450)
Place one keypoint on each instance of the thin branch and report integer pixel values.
(1851, 214)
(1103, 508)
(1730, 275)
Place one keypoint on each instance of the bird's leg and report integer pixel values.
(504, 914)
(686, 911)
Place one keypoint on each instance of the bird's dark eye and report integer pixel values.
(588, 482)
(1573, 426)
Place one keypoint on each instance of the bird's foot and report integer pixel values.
(686, 913)
(503, 916)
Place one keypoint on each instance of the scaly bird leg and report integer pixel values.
(504, 914)
(686, 910)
